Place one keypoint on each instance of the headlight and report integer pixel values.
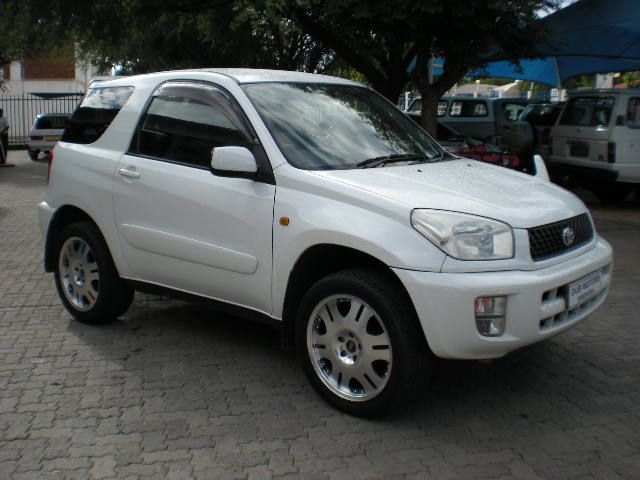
(463, 236)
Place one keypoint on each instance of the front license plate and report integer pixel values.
(586, 288)
(52, 138)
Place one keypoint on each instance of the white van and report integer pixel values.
(596, 141)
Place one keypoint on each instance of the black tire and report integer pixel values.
(411, 357)
(33, 154)
(114, 297)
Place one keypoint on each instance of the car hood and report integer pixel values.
(468, 186)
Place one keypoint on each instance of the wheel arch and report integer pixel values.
(317, 262)
(65, 215)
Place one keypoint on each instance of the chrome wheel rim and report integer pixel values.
(79, 275)
(349, 347)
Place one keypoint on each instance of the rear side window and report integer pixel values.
(95, 113)
(442, 108)
(468, 108)
(185, 125)
(633, 113)
(512, 111)
(588, 111)
(416, 106)
(51, 122)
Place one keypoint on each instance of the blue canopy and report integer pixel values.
(587, 37)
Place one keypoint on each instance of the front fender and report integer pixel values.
(315, 219)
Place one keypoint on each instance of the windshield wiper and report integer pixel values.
(396, 157)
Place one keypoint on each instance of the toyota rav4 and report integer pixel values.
(313, 203)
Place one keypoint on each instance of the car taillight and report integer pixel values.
(36, 137)
(49, 163)
(611, 152)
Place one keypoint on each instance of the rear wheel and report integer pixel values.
(86, 278)
(360, 343)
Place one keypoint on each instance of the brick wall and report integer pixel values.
(60, 68)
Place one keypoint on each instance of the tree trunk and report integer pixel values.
(430, 95)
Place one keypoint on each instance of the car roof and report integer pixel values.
(238, 75)
(491, 99)
(607, 91)
(41, 115)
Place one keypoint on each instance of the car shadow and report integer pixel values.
(194, 358)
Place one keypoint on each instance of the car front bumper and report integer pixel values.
(536, 309)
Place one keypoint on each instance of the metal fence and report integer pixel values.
(21, 110)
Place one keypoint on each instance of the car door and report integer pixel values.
(180, 225)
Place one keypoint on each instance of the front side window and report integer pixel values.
(633, 113)
(95, 113)
(468, 108)
(512, 111)
(588, 111)
(325, 126)
(185, 128)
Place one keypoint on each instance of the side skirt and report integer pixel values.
(215, 305)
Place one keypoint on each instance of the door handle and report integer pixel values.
(128, 173)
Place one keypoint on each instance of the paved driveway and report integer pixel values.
(177, 391)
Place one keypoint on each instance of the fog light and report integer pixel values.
(490, 315)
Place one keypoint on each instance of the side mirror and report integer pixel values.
(541, 168)
(233, 162)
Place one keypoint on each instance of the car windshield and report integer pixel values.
(327, 127)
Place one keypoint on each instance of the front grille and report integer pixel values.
(547, 240)
(555, 310)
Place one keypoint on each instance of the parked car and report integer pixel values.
(541, 117)
(313, 203)
(596, 141)
(491, 120)
(46, 130)
(458, 144)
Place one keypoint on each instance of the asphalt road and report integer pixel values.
(176, 391)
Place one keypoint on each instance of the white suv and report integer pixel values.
(312, 202)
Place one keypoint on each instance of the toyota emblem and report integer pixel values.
(568, 236)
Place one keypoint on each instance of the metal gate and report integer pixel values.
(21, 110)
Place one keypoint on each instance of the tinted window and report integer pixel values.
(185, 129)
(51, 122)
(416, 106)
(633, 113)
(442, 108)
(95, 113)
(512, 111)
(588, 111)
(541, 115)
(468, 108)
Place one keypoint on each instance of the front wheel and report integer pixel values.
(33, 154)
(86, 278)
(360, 343)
